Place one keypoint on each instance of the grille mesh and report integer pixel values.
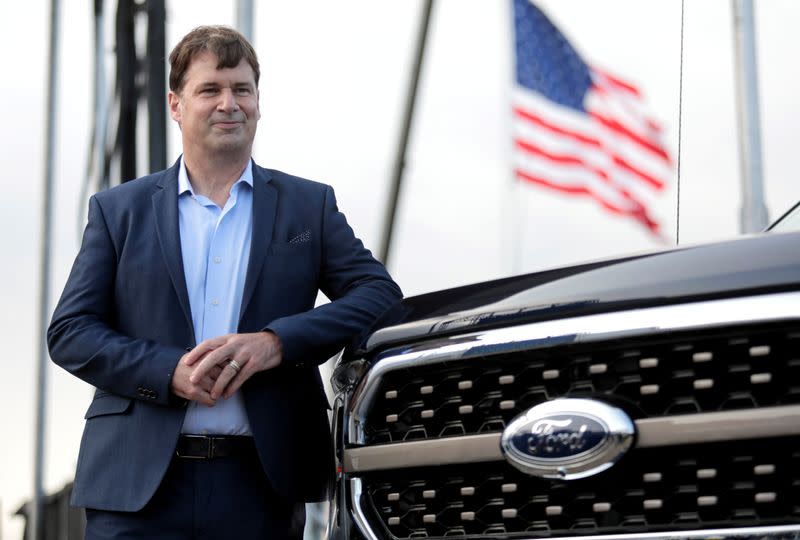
(681, 374)
(749, 483)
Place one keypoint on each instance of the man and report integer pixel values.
(190, 308)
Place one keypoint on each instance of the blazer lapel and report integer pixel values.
(165, 209)
(265, 204)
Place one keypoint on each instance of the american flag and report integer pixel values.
(580, 130)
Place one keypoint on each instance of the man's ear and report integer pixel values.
(174, 101)
(258, 103)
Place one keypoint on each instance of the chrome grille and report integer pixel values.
(751, 483)
(681, 373)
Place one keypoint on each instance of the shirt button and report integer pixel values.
(217, 260)
(215, 302)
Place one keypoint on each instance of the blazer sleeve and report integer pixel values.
(358, 286)
(81, 338)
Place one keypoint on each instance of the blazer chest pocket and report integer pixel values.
(105, 404)
(286, 248)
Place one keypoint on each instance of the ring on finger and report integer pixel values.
(235, 365)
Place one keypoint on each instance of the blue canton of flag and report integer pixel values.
(579, 130)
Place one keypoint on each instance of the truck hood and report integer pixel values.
(748, 265)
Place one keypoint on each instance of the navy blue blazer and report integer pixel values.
(124, 321)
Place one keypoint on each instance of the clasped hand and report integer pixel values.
(205, 373)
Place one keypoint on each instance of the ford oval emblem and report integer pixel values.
(567, 438)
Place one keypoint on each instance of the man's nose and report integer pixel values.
(227, 100)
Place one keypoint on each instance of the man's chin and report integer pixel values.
(229, 145)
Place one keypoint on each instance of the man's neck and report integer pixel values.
(213, 177)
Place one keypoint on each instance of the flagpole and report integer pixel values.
(515, 204)
(156, 83)
(244, 18)
(101, 103)
(400, 156)
(753, 216)
(36, 517)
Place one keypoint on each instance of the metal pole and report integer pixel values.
(753, 216)
(156, 85)
(400, 157)
(127, 70)
(36, 529)
(101, 102)
(244, 18)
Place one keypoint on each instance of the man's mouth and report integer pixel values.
(227, 124)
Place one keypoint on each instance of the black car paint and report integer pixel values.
(750, 265)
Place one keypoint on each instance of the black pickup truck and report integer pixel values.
(652, 396)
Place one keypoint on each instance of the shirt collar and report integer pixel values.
(184, 185)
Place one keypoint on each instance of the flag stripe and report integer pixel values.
(619, 129)
(619, 83)
(635, 106)
(531, 117)
(601, 184)
(614, 185)
(628, 111)
(573, 189)
(579, 189)
(539, 133)
(535, 150)
(652, 180)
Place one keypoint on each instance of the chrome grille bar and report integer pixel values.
(651, 432)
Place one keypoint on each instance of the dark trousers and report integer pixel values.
(199, 499)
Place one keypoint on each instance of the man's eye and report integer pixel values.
(208, 91)
(243, 91)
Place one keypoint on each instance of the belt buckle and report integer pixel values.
(209, 447)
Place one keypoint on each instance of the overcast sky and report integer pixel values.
(332, 90)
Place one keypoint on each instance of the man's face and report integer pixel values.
(217, 109)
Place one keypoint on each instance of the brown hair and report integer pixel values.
(228, 45)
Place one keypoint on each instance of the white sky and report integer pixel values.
(333, 84)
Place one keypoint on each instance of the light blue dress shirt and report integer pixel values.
(215, 243)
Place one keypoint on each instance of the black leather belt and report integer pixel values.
(214, 446)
